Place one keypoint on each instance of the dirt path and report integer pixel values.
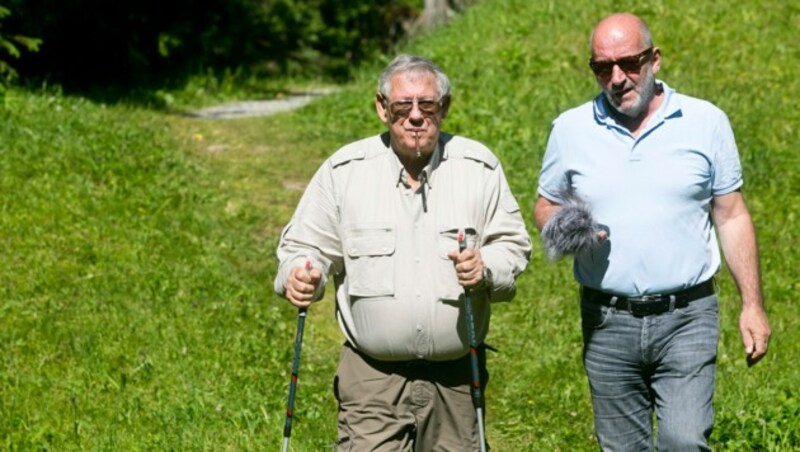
(245, 109)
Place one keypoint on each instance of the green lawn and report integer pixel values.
(137, 246)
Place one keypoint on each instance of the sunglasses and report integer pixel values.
(629, 64)
(402, 108)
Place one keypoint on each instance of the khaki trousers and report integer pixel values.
(407, 405)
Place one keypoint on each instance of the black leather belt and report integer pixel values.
(650, 304)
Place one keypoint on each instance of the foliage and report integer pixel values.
(137, 248)
(133, 42)
(10, 45)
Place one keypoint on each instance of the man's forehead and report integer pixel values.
(413, 83)
(617, 37)
(616, 44)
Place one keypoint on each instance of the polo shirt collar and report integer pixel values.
(670, 108)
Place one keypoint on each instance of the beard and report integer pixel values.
(646, 94)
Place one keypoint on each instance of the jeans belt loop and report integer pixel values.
(671, 303)
(613, 301)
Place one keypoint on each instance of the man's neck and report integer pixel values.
(414, 166)
(414, 163)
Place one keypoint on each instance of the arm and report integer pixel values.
(311, 235)
(738, 240)
(505, 247)
(543, 210)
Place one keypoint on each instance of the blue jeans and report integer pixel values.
(661, 363)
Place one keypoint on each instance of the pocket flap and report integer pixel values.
(448, 239)
(379, 241)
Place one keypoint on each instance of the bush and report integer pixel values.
(10, 43)
(91, 42)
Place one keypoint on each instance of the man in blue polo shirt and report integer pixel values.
(660, 174)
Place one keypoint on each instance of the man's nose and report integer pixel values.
(618, 76)
(415, 115)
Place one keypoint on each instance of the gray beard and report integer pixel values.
(641, 105)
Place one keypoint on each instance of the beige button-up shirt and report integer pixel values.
(386, 245)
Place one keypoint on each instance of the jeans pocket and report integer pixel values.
(702, 307)
(594, 315)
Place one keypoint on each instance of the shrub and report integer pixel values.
(129, 42)
(10, 43)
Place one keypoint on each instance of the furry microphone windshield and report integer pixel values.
(571, 230)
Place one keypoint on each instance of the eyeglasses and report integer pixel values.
(629, 64)
(402, 108)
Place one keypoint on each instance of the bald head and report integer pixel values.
(625, 63)
(620, 30)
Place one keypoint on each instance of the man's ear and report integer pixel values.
(656, 60)
(445, 106)
(380, 108)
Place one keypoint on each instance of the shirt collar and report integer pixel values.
(669, 108)
(427, 172)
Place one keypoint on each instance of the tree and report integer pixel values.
(10, 43)
(437, 12)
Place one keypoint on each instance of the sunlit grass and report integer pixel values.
(137, 247)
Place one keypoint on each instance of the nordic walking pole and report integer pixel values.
(298, 345)
(477, 394)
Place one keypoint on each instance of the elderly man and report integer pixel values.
(382, 217)
(660, 174)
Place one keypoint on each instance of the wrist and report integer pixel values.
(487, 280)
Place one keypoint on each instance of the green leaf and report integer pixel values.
(10, 47)
(31, 44)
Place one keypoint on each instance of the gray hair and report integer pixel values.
(413, 64)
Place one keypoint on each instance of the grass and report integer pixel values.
(137, 247)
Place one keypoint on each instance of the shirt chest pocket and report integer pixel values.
(369, 260)
(447, 241)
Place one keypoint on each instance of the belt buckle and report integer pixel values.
(645, 298)
(640, 307)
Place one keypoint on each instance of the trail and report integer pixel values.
(243, 109)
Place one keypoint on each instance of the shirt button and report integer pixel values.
(419, 327)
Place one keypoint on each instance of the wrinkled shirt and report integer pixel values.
(652, 193)
(386, 245)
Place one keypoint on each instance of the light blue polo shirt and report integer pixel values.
(652, 193)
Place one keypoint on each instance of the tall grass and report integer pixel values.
(138, 248)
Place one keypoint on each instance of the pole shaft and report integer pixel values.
(298, 345)
(475, 387)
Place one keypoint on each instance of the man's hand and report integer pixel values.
(302, 285)
(469, 267)
(737, 237)
(755, 330)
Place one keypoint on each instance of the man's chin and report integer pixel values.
(410, 145)
(630, 109)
